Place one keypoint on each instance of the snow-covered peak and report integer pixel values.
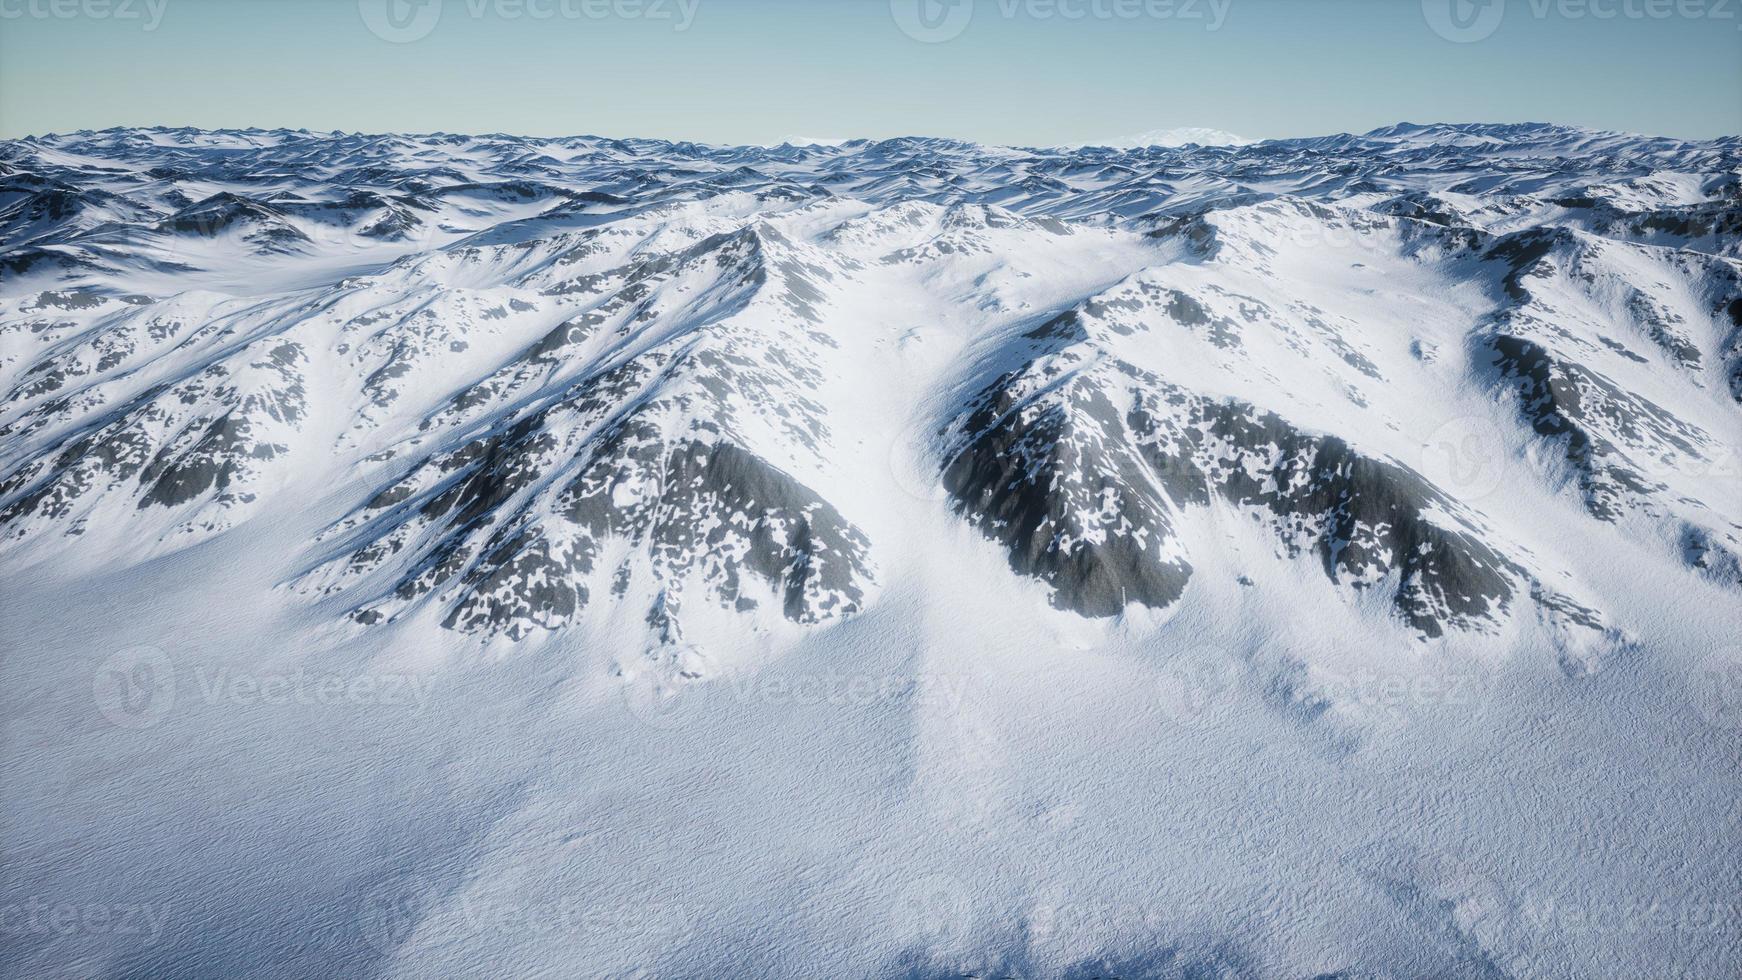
(1179, 136)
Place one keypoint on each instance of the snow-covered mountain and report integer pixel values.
(1180, 136)
(1199, 478)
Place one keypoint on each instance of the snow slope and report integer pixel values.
(466, 555)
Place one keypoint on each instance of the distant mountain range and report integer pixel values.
(631, 340)
(1184, 136)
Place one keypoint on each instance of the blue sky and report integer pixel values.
(1010, 71)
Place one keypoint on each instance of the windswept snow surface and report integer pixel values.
(450, 556)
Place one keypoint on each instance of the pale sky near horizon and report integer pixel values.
(755, 71)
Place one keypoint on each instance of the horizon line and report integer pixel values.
(809, 142)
